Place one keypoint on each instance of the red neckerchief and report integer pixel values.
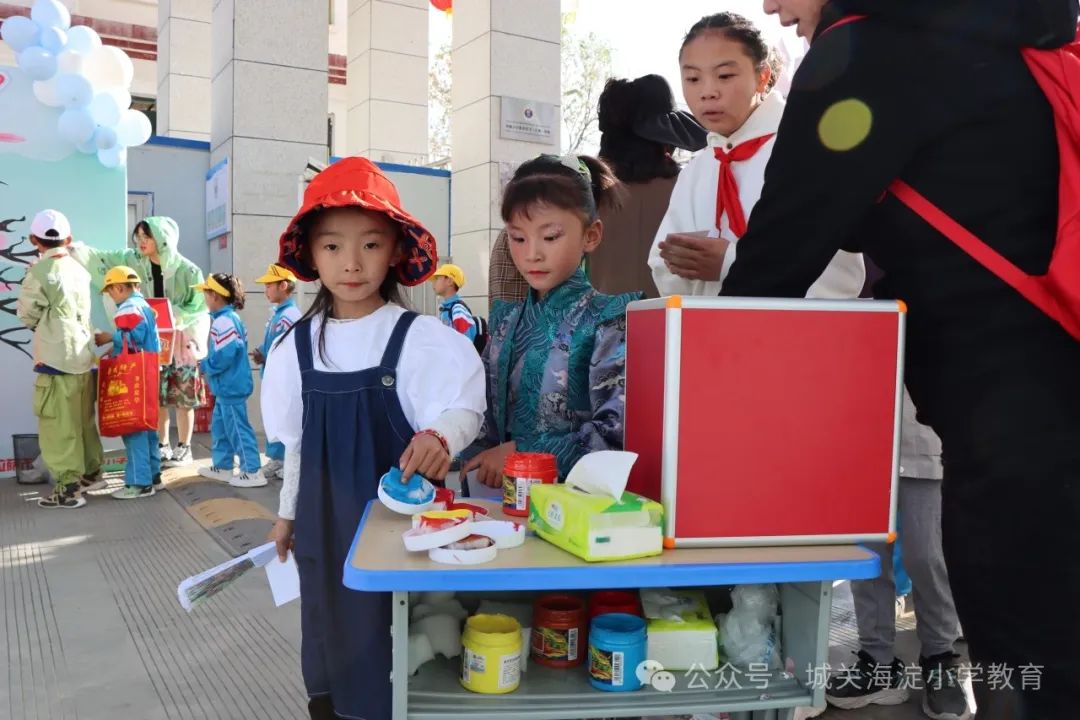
(727, 190)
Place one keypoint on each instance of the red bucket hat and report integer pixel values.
(358, 182)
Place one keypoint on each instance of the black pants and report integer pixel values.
(1010, 517)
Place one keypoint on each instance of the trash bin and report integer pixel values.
(29, 469)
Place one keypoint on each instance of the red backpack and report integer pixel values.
(1057, 293)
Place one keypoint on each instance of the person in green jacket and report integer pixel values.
(54, 302)
(170, 275)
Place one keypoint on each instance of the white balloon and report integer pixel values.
(51, 13)
(100, 70)
(74, 91)
(105, 137)
(53, 39)
(123, 62)
(89, 147)
(113, 157)
(105, 108)
(76, 126)
(70, 61)
(83, 39)
(20, 32)
(46, 92)
(133, 129)
(37, 62)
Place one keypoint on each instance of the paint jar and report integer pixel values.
(603, 602)
(491, 654)
(617, 646)
(558, 630)
(520, 471)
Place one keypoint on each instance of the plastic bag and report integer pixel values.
(747, 634)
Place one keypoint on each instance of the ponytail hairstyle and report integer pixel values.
(577, 183)
(734, 27)
(624, 104)
(235, 288)
(322, 306)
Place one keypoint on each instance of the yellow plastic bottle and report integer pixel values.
(491, 654)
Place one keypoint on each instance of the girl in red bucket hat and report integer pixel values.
(357, 386)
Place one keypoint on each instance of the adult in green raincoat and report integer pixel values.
(168, 274)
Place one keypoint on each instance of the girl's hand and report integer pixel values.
(103, 338)
(425, 455)
(694, 257)
(257, 356)
(489, 464)
(282, 536)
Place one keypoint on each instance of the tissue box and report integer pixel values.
(596, 527)
(682, 633)
(766, 422)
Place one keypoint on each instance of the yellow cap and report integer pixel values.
(120, 275)
(276, 273)
(214, 286)
(456, 275)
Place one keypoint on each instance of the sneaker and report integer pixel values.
(181, 457)
(134, 492)
(215, 473)
(165, 451)
(943, 695)
(273, 469)
(248, 480)
(92, 482)
(67, 497)
(867, 683)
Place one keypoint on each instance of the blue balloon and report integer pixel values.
(105, 137)
(88, 148)
(76, 126)
(74, 91)
(37, 62)
(53, 39)
(20, 32)
(113, 157)
(83, 39)
(51, 13)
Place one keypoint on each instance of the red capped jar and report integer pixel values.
(522, 470)
(559, 627)
(604, 602)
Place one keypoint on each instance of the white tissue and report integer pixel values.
(605, 472)
(420, 651)
(444, 632)
(450, 607)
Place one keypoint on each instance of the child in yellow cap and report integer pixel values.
(279, 283)
(228, 369)
(448, 281)
(135, 322)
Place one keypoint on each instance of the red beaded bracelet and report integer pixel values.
(437, 435)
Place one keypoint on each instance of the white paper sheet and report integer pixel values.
(284, 580)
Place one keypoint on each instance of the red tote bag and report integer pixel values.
(128, 392)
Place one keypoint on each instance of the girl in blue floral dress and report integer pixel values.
(556, 361)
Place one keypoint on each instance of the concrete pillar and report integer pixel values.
(183, 69)
(388, 80)
(269, 119)
(500, 48)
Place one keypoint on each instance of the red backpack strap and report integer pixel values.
(1028, 286)
(846, 20)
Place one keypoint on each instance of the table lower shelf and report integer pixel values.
(435, 693)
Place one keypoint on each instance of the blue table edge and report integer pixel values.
(597, 575)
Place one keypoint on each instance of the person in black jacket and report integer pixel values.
(935, 92)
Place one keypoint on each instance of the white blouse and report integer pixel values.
(441, 383)
(692, 208)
